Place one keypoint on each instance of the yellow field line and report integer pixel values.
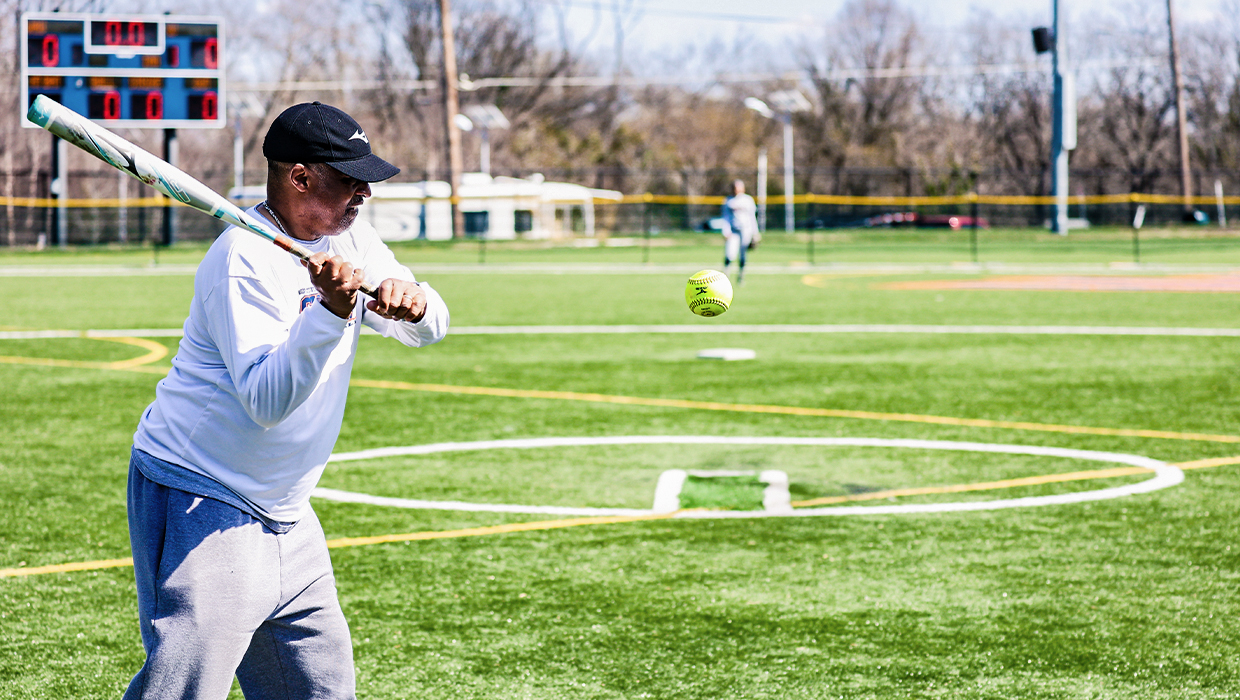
(981, 486)
(155, 352)
(790, 410)
(1012, 483)
(608, 520)
(363, 541)
(65, 568)
(493, 530)
(1209, 463)
(819, 279)
(158, 351)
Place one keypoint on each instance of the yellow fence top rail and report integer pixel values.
(924, 201)
(647, 198)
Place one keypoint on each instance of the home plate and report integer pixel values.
(727, 354)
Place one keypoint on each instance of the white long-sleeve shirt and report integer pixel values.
(257, 390)
(740, 216)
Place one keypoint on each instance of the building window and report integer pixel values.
(477, 223)
(523, 220)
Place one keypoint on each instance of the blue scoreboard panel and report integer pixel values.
(145, 71)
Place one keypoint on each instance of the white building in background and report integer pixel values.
(499, 208)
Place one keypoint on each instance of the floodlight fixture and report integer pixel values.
(790, 101)
(487, 117)
(759, 106)
(784, 104)
(1043, 40)
(463, 122)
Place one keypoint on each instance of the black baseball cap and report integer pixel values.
(313, 132)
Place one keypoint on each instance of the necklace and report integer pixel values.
(275, 218)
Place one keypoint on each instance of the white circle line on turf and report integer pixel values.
(847, 328)
(707, 328)
(414, 504)
(1165, 475)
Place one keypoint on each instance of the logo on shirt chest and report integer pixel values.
(307, 300)
(310, 296)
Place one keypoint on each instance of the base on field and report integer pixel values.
(733, 490)
(727, 354)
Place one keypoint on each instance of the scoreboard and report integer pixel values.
(144, 71)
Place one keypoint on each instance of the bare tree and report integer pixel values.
(491, 41)
(1126, 118)
(864, 116)
(1008, 112)
(1212, 93)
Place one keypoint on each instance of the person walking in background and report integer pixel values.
(740, 229)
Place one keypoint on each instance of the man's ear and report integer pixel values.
(299, 177)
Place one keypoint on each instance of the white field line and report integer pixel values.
(413, 504)
(705, 329)
(667, 490)
(96, 271)
(619, 268)
(1165, 475)
(775, 497)
(849, 328)
(121, 333)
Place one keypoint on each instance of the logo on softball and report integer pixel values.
(708, 293)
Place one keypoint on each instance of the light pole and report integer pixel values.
(789, 187)
(762, 189)
(1063, 130)
(486, 118)
(785, 102)
(760, 107)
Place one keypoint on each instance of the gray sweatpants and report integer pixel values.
(221, 594)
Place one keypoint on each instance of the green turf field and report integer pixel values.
(1125, 597)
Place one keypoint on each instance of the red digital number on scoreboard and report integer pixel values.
(104, 105)
(147, 105)
(120, 33)
(204, 106)
(51, 51)
(205, 53)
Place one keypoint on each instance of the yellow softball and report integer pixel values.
(708, 293)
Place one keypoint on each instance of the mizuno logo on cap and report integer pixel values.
(360, 135)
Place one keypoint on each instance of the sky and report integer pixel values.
(666, 24)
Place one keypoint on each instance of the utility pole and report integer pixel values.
(1181, 118)
(450, 110)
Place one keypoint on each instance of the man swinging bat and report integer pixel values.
(231, 563)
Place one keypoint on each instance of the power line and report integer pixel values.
(698, 14)
(588, 81)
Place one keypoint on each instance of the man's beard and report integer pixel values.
(346, 221)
